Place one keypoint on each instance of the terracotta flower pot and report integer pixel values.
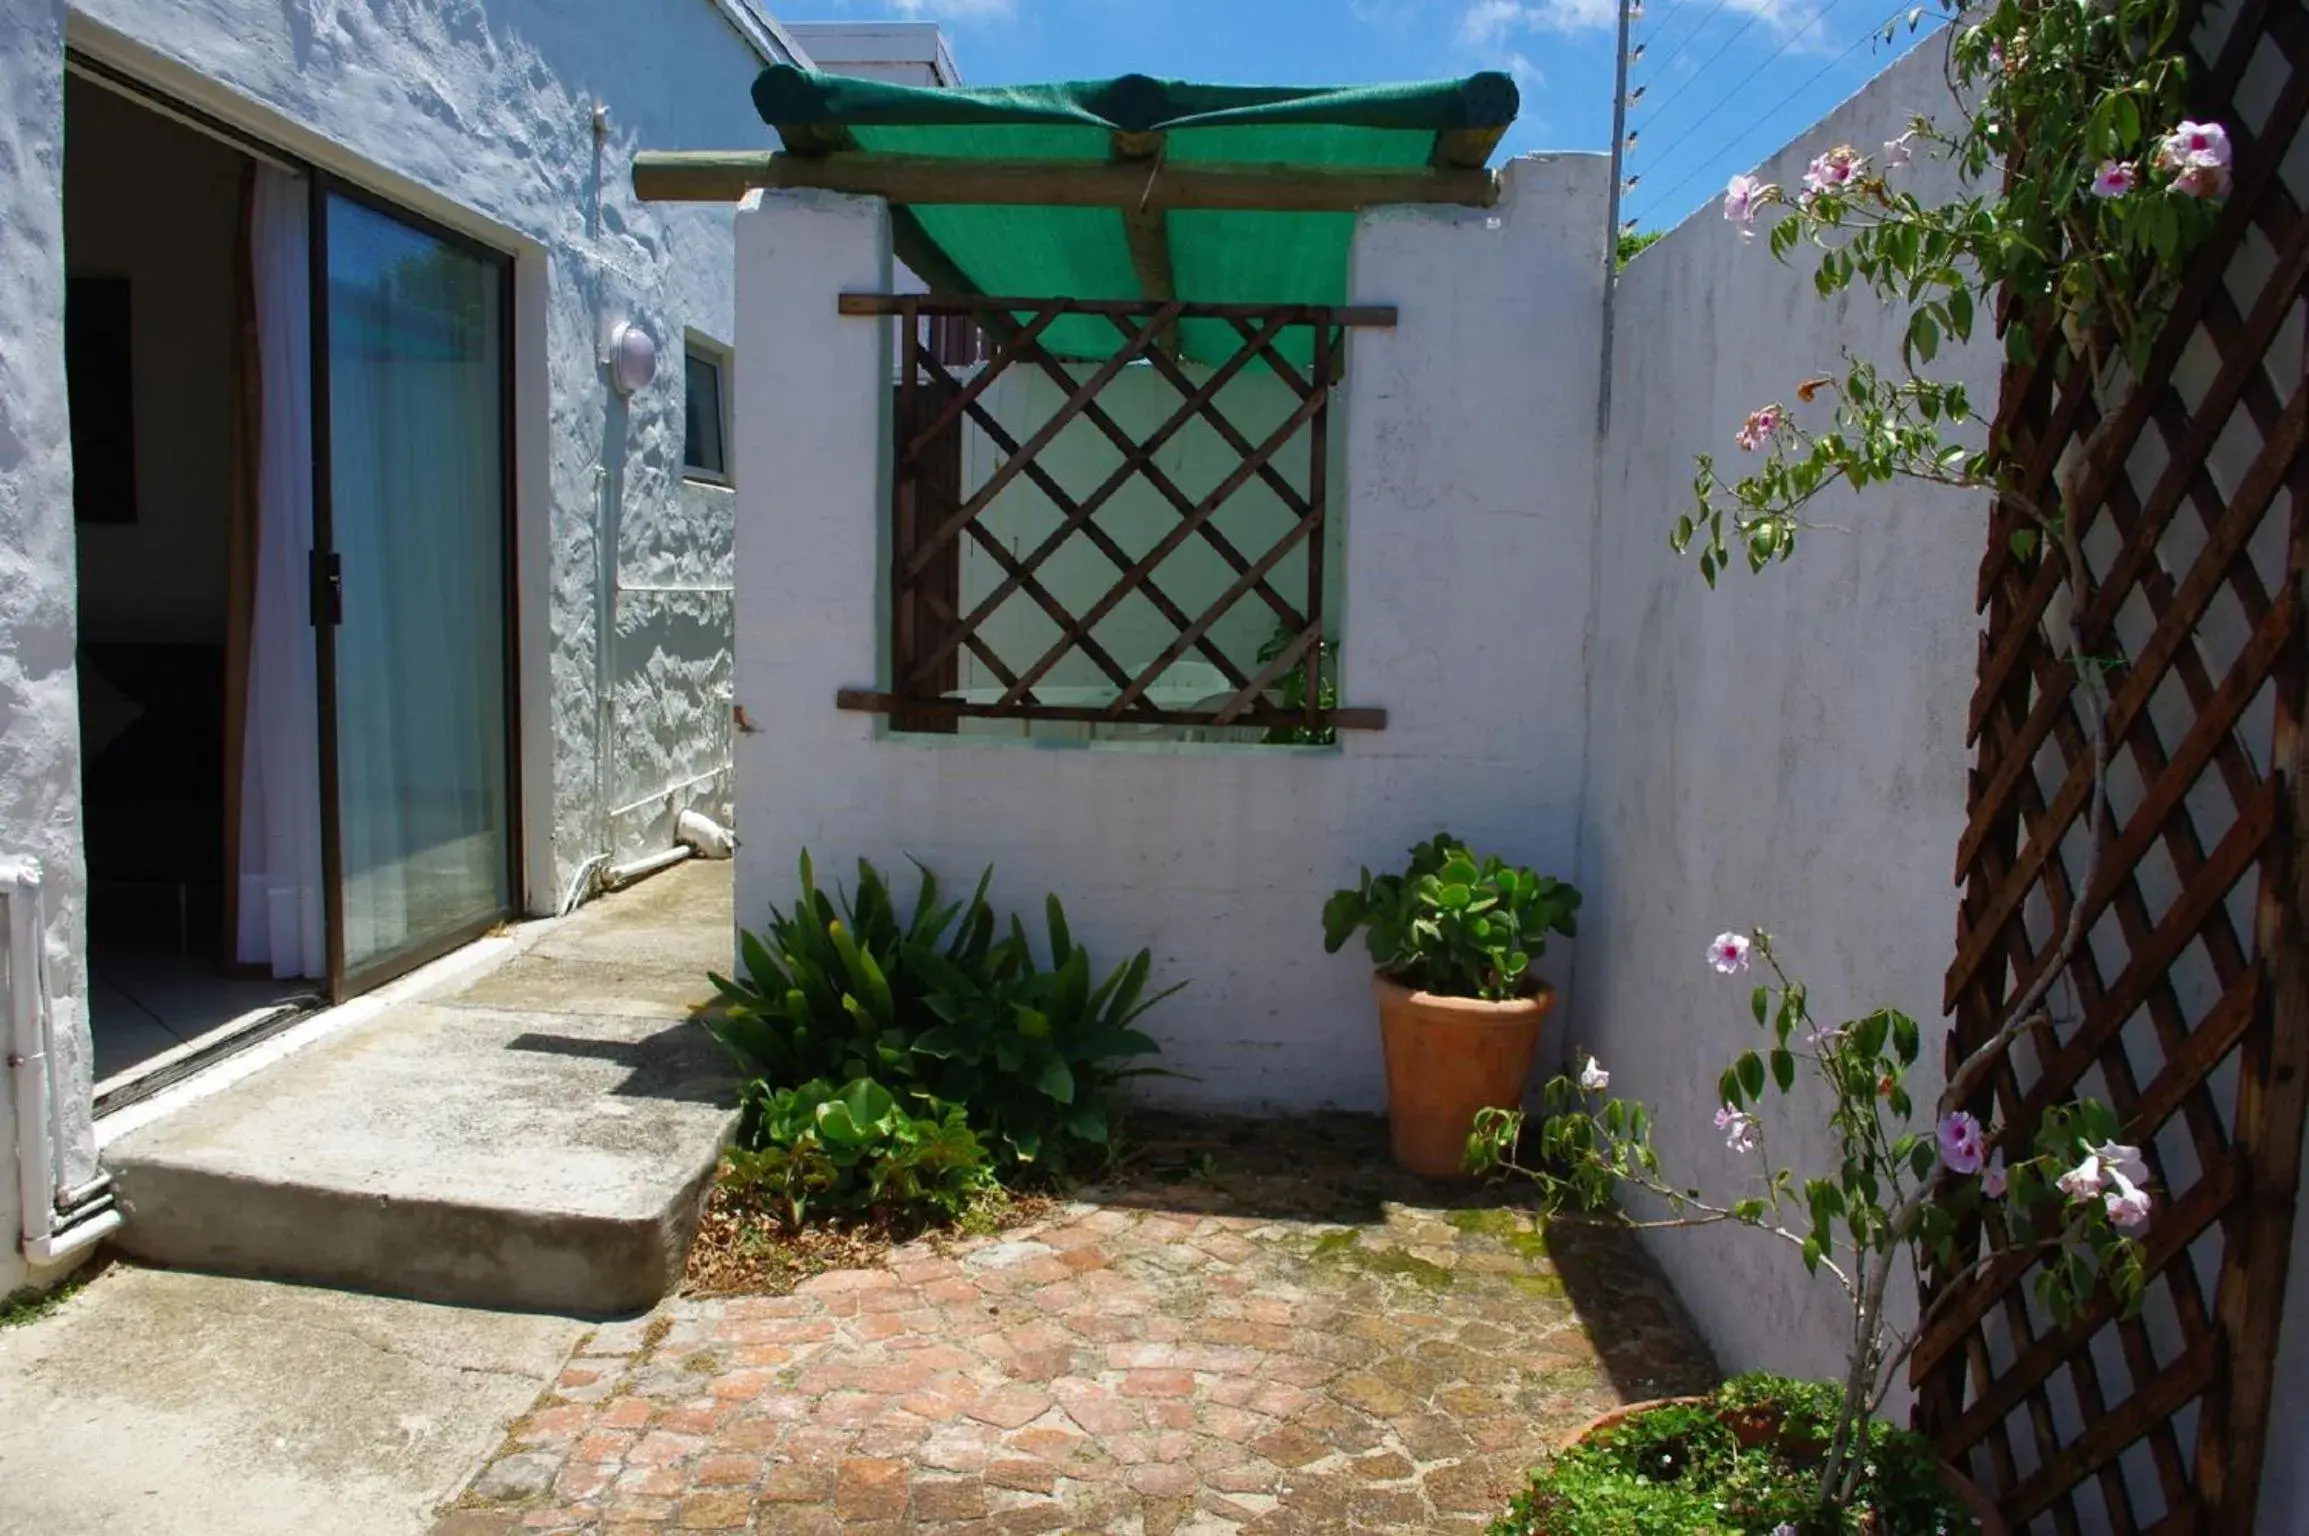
(1448, 1057)
(1976, 1503)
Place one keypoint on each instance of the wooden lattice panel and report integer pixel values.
(933, 516)
(2186, 1007)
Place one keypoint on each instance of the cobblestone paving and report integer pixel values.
(1263, 1330)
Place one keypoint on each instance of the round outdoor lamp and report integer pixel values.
(632, 358)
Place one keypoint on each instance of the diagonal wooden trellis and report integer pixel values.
(2187, 1006)
(932, 517)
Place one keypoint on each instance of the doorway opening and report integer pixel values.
(292, 464)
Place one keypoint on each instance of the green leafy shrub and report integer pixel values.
(930, 1002)
(857, 1151)
(1452, 924)
(1747, 1463)
(825, 991)
(1035, 1053)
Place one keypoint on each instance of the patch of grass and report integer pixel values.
(1509, 1226)
(1549, 1287)
(1340, 1248)
(32, 1303)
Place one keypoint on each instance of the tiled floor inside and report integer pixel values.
(154, 983)
(1260, 1328)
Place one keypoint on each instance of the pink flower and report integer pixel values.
(2114, 179)
(1593, 1078)
(1743, 195)
(2083, 1181)
(1962, 1147)
(1757, 430)
(1996, 57)
(1739, 1128)
(1834, 170)
(1729, 955)
(2127, 1204)
(1897, 152)
(2205, 181)
(1992, 1178)
(2194, 144)
(2121, 1162)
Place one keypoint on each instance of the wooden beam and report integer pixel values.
(720, 176)
(815, 139)
(1146, 227)
(870, 702)
(1363, 316)
(1466, 149)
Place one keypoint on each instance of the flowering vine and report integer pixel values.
(1908, 1178)
(2082, 191)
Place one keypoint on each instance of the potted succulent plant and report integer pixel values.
(1452, 938)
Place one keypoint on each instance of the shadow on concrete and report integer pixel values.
(679, 1063)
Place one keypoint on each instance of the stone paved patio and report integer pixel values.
(1260, 1329)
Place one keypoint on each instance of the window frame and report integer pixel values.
(722, 359)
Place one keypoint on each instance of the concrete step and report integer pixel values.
(537, 1137)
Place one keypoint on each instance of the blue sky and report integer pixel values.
(1726, 81)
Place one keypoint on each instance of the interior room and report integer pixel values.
(160, 341)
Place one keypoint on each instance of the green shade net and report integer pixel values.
(1083, 253)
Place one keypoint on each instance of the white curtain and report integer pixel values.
(281, 923)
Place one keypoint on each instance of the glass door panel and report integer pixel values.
(416, 522)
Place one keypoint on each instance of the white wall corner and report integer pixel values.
(814, 398)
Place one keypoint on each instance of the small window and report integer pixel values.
(702, 451)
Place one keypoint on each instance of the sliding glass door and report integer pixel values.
(412, 567)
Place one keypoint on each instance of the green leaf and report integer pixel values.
(1783, 1068)
(1751, 1070)
(1061, 941)
(1089, 1123)
(1055, 1079)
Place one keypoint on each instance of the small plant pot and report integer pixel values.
(1448, 1057)
(1752, 1433)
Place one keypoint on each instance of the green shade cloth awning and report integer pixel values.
(1215, 257)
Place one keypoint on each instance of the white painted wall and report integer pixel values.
(39, 702)
(1786, 752)
(903, 52)
(479, 116)
(1465, 605)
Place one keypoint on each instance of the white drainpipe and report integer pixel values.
(50, 1235)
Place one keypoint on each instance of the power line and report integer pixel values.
(1787, 43)
(1697, 28)
(1766, 115)
(1701, 72)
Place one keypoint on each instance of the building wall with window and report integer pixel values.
(1463, 613)
(512, 122)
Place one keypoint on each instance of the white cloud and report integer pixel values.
(1495, 23)
(958, 10)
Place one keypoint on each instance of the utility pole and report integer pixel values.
(1611, 232)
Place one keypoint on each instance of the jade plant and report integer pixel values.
(1453, 924)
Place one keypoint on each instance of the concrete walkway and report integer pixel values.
(1265, 1332)
(536, 1136)
(528, 1122)
(209, 1407)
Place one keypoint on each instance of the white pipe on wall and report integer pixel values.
(31, 1029)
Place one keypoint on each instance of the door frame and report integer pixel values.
(91, 52)
(344, 982)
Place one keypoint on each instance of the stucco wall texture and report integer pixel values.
(1464, 609)
(480, 115)
(39, 705)
(1786, 752)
